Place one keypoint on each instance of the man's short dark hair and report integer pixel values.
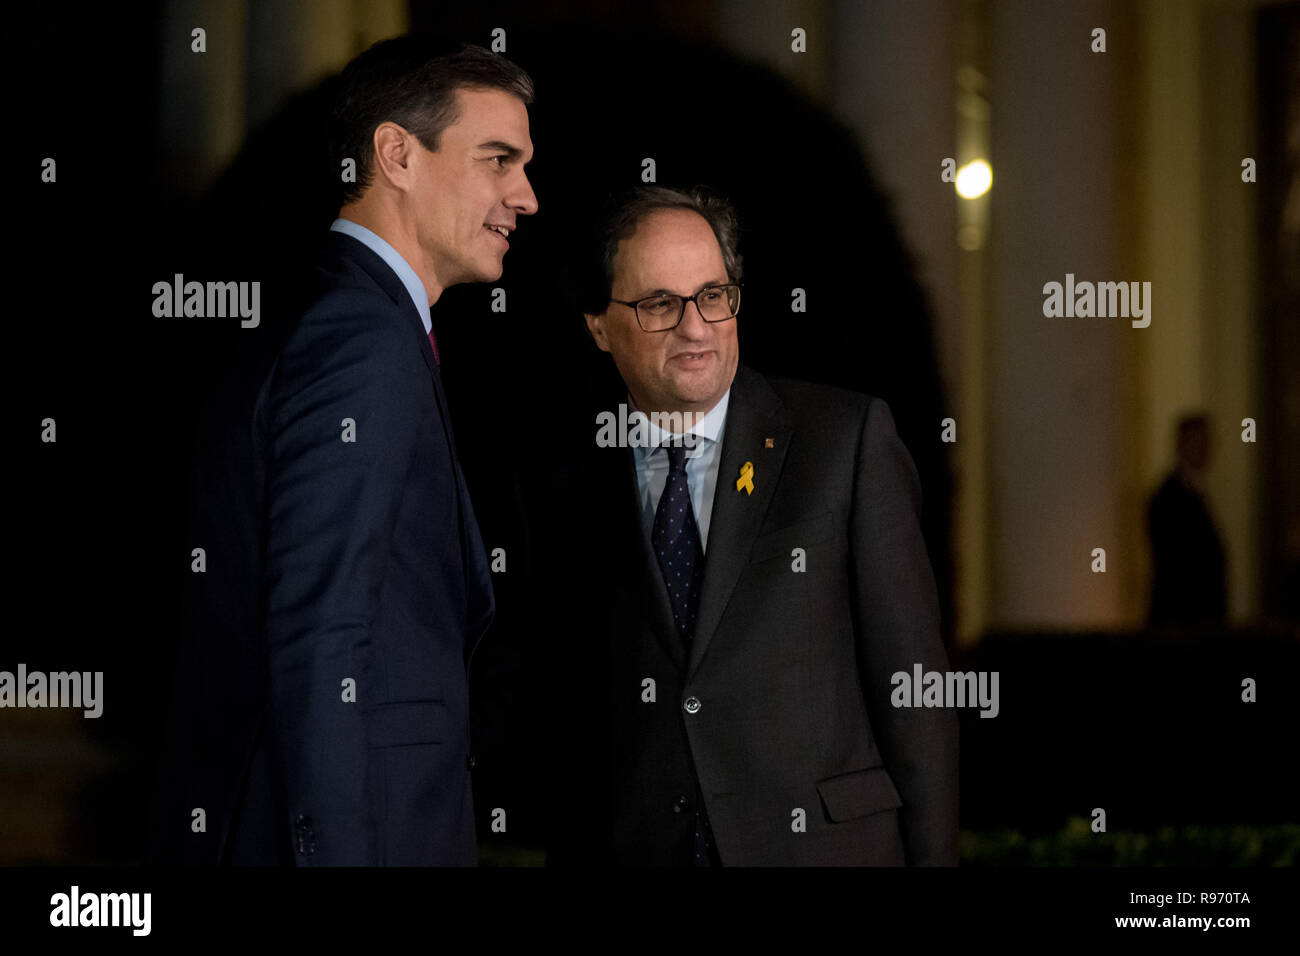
(412, 81)
(620, 219)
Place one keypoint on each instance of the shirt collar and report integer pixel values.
(709, 427)
(395, 261)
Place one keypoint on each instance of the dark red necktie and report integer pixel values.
(433, 341)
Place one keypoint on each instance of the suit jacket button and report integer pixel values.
(681, 805)
(470, 761)
(692, 705)
(306, 837)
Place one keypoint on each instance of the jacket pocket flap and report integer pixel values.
(857, 794)
(407, 722)
(782, 541)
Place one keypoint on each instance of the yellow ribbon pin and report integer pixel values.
(746, 479)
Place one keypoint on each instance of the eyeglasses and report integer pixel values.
(659, 313)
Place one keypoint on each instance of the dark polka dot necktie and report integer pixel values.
(676, 541)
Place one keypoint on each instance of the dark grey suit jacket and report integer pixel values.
(782, 706)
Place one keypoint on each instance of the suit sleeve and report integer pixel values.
(897, 612)
(332, 507)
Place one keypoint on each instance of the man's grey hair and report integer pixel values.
(620, 222)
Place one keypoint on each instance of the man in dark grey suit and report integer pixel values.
(322, 713)
(743, 602)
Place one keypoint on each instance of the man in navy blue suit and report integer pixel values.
(322, 713)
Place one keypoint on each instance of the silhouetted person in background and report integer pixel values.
(1187, 587)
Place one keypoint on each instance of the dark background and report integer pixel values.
(1117, 719)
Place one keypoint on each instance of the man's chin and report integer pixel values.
(689, 392)
(483, 270)
(700, 385)
(489, 273)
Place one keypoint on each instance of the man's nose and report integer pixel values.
(692, 323)
(524, 201)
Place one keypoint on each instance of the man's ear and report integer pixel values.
(393, 154)
(595, 325)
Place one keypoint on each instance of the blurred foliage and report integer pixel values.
(490, 854)
(1074, 845)
(1077, 845)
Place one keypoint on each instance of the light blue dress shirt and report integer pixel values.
(395, 262)
(701, 469)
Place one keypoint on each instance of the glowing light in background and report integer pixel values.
(974, 179)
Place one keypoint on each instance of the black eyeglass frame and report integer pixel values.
(685, 298)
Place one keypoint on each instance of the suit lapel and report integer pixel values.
(642, 578)
(481, 605)
(656, 608)
(754, 414)
(480, 598)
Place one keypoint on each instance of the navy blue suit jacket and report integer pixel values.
(321, 714)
